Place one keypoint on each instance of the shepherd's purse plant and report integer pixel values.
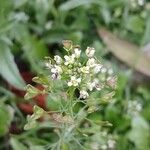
(76, 86)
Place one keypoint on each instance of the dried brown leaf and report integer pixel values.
(126, 51)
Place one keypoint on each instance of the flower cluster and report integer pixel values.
(134, 107)
(88, 76)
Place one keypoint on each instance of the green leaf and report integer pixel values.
(6, 115)
(17, 145)
(44, 81)
(54, 101)
(38, 111)
(76, 3)
(135, 24)
(37, 147)
(19, 3)
(33, 48)
(8, 69)
(140, 133)
(146, 37)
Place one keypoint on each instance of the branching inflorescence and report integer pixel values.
(83, 81)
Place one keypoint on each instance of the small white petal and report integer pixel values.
(77, 52)
(90, 86)
(91, 62)
(104, 147)
(111, 144)
(53, 70)
(58, 59)
(48, 65)
(69, 59)
(103, 70)
(83, 94)
(79, 80)
(73, 78)
(85, 69)
(90, 51)
(69, 84)
(110, 71)
(97, 68)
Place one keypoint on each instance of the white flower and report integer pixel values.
(90, 51)
(83, 94)
(94, 146)
(94, 84)
(104, 147)
(103, 70)
(111, 143)
(48, 64)
(56, 70)
(90, 85)
(97, 68)
(91, 62)
(56, 76)
(58, 59)
(138, 107)
(77, 52)
(110, 71)
(69, 59)
(74, 81)
(85, 69)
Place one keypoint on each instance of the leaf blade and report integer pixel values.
(8, 69)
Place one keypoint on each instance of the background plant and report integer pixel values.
(32, 29)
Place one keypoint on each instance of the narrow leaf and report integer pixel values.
(8, 68)
(17, 145)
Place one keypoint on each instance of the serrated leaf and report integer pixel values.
(38, 112)
(8, 68)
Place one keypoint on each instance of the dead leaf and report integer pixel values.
(126, 51)
(146, 49)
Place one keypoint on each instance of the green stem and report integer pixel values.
(71, 98)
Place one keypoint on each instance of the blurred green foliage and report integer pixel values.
(32, 29)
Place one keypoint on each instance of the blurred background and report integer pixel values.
(119, 30)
